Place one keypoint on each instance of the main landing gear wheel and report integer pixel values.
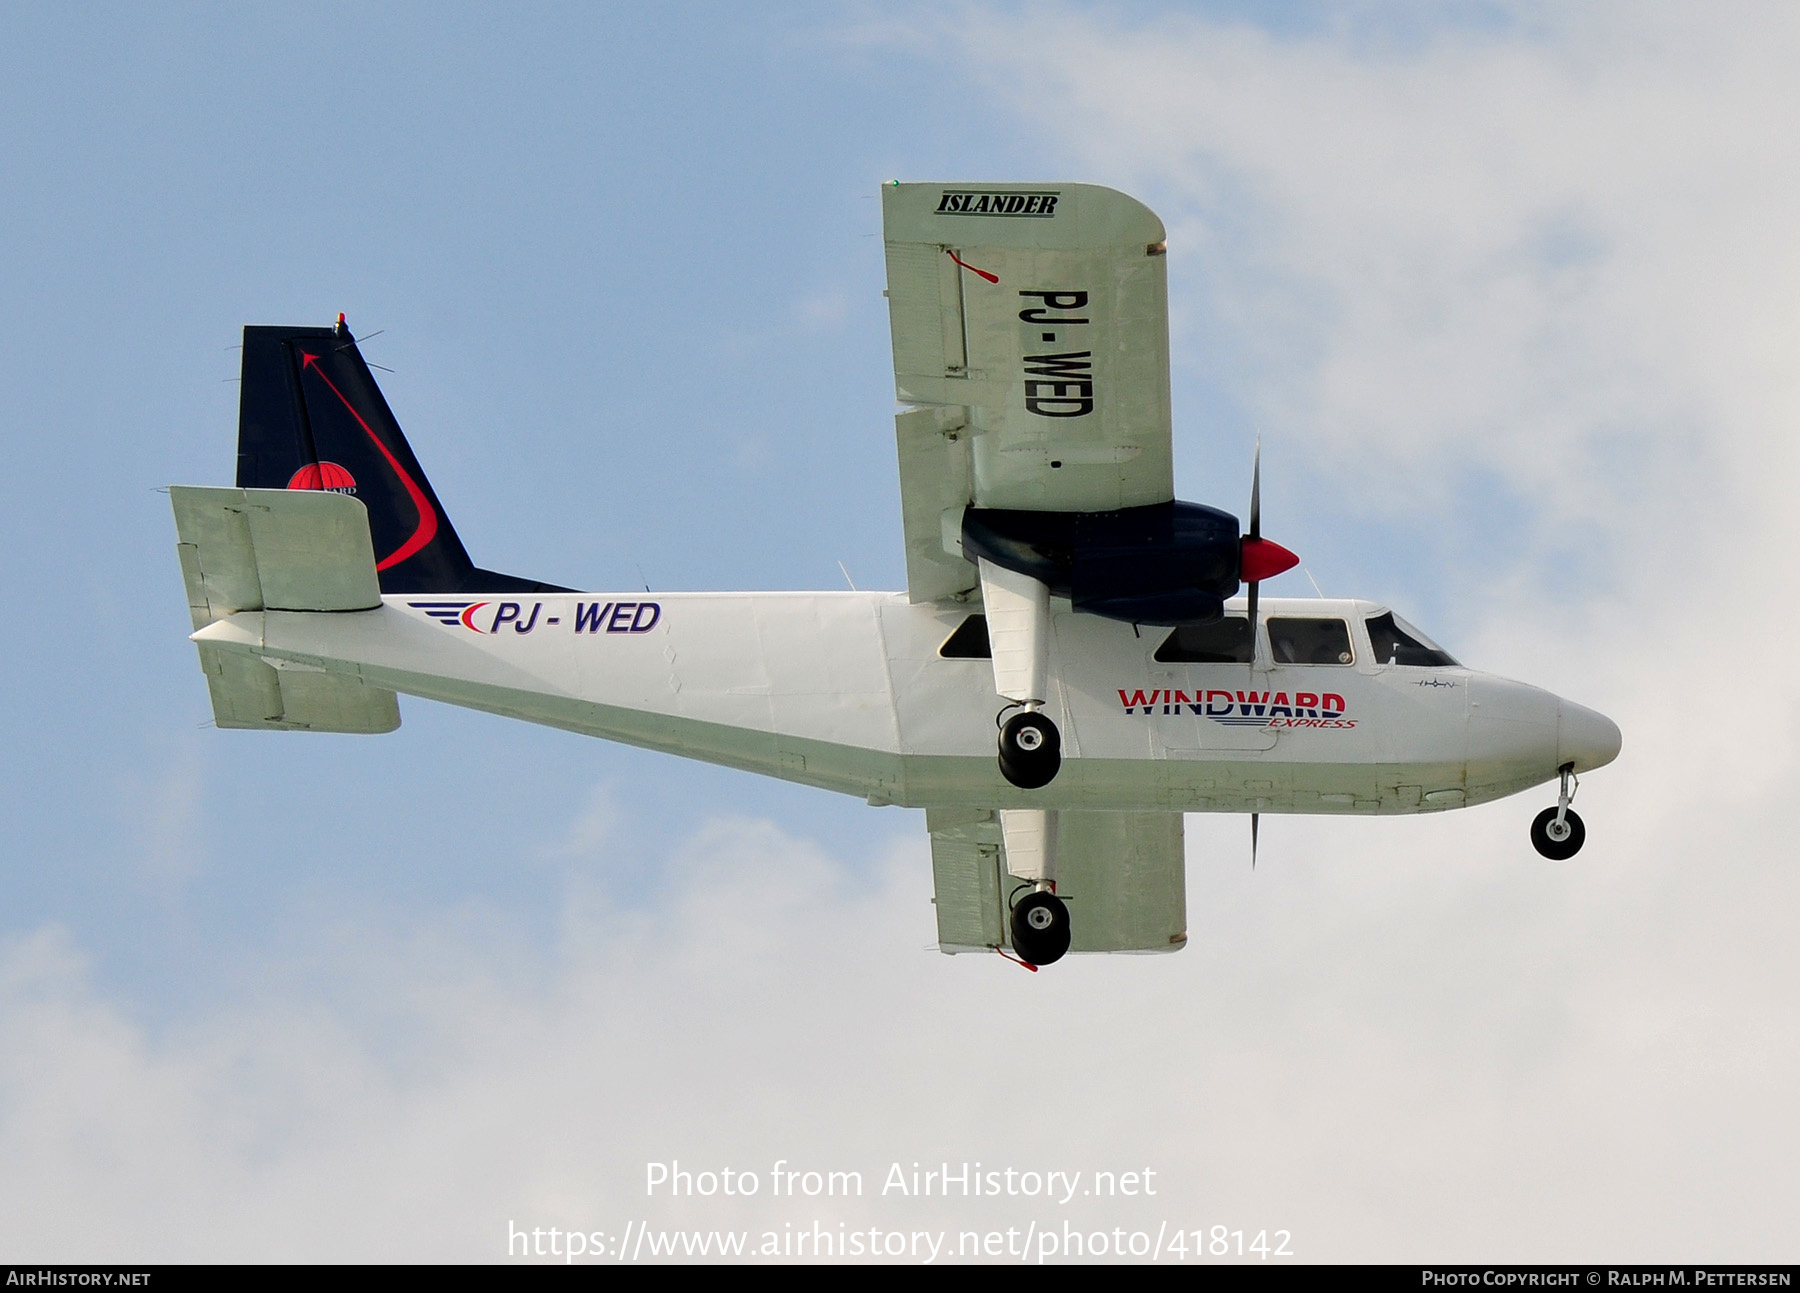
(1030, 750)
(1558, 841)
(1040, 927)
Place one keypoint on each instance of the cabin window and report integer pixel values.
(1226, 642)
(1397, 642)
(1293, 640)
(969, 642)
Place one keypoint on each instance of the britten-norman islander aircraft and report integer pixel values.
(1056, 591)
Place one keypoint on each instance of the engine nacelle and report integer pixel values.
(1168, 563)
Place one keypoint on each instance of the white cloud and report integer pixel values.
(1395, 1039)
(1560, 254)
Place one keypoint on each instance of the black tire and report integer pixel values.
(1030, 750)
(1558, 850)
(1040, 928)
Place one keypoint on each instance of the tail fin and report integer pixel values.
(311, 417)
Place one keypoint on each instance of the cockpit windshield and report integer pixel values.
(1397, 642)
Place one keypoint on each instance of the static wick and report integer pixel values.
(992, 278)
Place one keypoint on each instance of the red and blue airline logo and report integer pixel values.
(590, 617)
(1244, 708)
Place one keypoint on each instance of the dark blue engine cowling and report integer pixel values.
(1169, 563)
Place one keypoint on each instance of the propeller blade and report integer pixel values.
(1255, 531)
(1255, 821)
(1258, 558)
(1254, 534)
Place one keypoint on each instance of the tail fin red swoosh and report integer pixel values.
(339, 433)
(428, 522)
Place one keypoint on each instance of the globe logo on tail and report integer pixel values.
(323, 475)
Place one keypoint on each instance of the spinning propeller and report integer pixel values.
(1258, 559)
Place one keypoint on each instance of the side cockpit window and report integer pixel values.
(1226, 642)
(1293, 640)
(1394, 641)
(969, 642)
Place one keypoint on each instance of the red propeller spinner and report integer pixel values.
(1262, 559)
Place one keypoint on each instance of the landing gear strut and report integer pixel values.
(1030, 750)
(1040, 920)
(1017, 607)
(1557, 832)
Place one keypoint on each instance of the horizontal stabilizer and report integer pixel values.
(246, 550)
(252, 693)
(273, 549)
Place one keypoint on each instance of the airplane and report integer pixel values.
(1078, 659)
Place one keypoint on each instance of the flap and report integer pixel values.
(966, 873)
(936, 480)
(1124, 876)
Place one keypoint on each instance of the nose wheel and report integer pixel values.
(1557, 832)
(1030, 750)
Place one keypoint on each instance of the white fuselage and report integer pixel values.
(848, 691)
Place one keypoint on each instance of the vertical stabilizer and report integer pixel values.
(311, 417)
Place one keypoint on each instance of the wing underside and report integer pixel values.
(1030, 335)
(1122, 875)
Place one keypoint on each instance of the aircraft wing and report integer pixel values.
(1031, 335)
(1122, 874)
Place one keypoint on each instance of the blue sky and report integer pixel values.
(1508, 292)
